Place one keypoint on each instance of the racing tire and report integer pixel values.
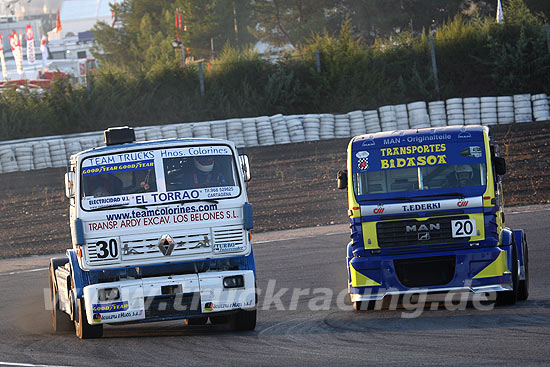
(83, 329)
(523, 286)
(505, 298)
(61, 322)
(196, 321)
(243, 320)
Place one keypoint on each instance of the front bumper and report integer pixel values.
(169, 297)
(372, 278)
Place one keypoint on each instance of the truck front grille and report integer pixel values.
(413, 232)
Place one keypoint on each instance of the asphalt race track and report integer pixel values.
(290, 333)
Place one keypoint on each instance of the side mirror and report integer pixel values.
(69, 184)
(500, 165)
(342, 178)
(245, 167)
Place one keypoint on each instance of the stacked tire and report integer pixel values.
(388, 118)
(153, 133)
(57, 153)
(372, 121)
(505, 109)
(265, 131)
(218, 129)
(489, 114)
(342, 128)
(250, 134)
(280, 130)
(326, 130)
(235, 132)
(357, 123)
(23, 155)
(7, 159)
(312, 127)
(402, 117)
(541, 111)
(455, 111)
(201, 130)
(169, 132)
(184, 131)
(41, 155)
(295, 129)
(472, 111)
(438, 115)
(522, 108)
(418, 115)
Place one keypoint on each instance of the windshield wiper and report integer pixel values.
(116, 206)
(382, 200)
(452, 194)
(191, 201)
(120, 206)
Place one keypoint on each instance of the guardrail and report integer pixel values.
(54, 151)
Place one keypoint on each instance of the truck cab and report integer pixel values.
(426, 214)
(160, 231)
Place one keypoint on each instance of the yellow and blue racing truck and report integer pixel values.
(426, 215)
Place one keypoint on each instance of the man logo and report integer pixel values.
(166, 245)
(423, 227)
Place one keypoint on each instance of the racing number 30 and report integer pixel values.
(107, 249)
(463, 228)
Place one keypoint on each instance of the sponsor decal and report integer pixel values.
(425, 206)
(209, 306)
(410, 156)
(96, 317)
(473, 152)
(221, 248)
(110, 307)
(124, 315)
(362, 154)
(378, 210)
(195, 151)
(166, 244)
(363, 164)
(134, 218)
(117, 167)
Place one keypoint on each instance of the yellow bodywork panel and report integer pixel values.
(369, 230)
(497, 268)
(359, 280)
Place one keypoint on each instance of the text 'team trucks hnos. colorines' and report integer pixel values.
(426, 212)
(160, 231)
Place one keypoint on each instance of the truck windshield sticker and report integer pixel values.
(118, 167)
(159, 176)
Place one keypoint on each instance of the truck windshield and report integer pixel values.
(402, 165)
(420, 178)
(159, 176)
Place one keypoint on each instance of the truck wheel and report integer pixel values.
(196, 321)
(523, 287)
(60, 320)
(83, 329)
(510, 297)
(243, 320)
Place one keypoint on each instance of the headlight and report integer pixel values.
(236, 281)
(108, 294)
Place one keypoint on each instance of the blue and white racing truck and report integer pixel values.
(160, 231)
(426, 213)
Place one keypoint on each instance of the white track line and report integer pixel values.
(23, 272)
(27, 364)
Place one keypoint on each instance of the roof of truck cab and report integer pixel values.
(433, 134)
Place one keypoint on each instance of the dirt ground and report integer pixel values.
(293, 186)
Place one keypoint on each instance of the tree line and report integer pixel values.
(475, 57)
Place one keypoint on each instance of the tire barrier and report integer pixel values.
(54, 151)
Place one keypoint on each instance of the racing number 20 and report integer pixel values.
(463, 228)
(107, 249)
